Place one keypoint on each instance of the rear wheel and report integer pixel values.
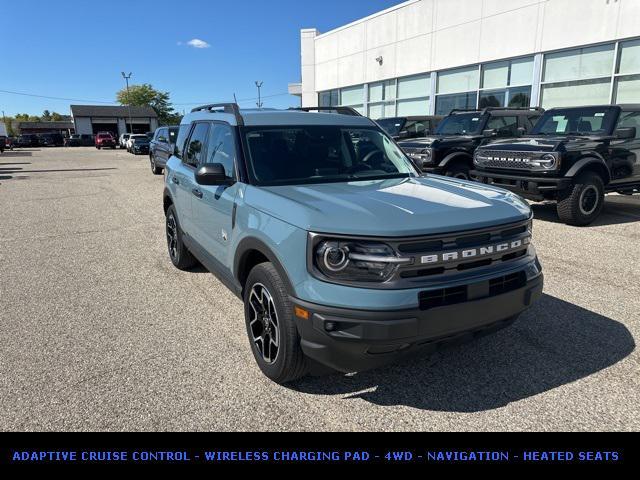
(272, 332)
(180, 256)
(154, 168)
(581, 203)
(458, 170)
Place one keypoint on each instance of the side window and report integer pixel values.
(195, 147)
(183, 133)
(630, 119)
(505, 126)
(221, 147)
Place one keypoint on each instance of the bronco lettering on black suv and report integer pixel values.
(342, 252)
(573, 156)
(450, 150)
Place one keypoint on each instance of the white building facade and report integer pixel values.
(425, 57)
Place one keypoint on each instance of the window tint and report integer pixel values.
(461, 124)
(587, 120)
(195, 147)
(221, 147)
(505, 126)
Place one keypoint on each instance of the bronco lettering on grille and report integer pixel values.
(476, 252)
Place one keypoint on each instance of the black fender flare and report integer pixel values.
(587, 162)
(249, 244)
(167, 199)
(452, 157)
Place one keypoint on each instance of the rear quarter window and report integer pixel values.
(183, 133)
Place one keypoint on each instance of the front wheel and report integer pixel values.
(581, 203)
(458, 170)
(154, 168)
(272, 332)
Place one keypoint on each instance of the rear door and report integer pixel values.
(626, 152)
(183, 177)
(214, 207)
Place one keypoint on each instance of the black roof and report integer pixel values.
(120, 111)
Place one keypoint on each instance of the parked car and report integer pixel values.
(139, 145)
(105, 140)
(122, 142)
(51, 140)
(573, 156)
(10, 143)
(132, 137)
(401, 128)
(161, 148)
(450, 150)
(28, 140)
(76, 140)
(343, 253)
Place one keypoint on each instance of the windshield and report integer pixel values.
(461, 124)
(323, 154)
(576, 121)
(140, 140)
(393, 126)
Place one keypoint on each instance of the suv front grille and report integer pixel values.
(505, 159)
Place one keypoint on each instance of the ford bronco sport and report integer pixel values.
(450, 151)
(343, 253)
(573, 156)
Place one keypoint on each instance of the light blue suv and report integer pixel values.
(343, 253)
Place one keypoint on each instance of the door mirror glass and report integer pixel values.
(212, 174)
(491, 132)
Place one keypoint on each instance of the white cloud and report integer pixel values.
(196, 43)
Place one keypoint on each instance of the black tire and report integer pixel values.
(288, 363)
(458, 170)
(580, 204)
(180, 256)
(98, 148)
(154, 169)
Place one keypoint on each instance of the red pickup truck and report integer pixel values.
(105, 140)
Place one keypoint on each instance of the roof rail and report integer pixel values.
(463, 110)
(535, 109)
(231, 108)
(341, 110)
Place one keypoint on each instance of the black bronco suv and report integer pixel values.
(450, 151)
(402, 128)
(573, 156)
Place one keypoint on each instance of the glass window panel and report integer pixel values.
(352, 95)
(335, 98)
(494, 98)
(519, 97)
(376, 111)
(390, 110)
(628, 120)
(579, 63)
(495, 75)
(446, 103)
(521, 71)
(572, 94)
(459, 80)
(629, 57)
(325, 99)
(413, 87)
(419, 106)
(390, 90)
(628, 89)
(382, 91)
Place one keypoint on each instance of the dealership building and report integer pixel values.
(425, 57)
(91, 119)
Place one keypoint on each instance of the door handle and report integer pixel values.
(175, 180)
(197, 193)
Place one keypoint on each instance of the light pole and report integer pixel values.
(259, 85)
(126, 79)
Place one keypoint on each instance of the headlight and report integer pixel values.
(546, 162)
(423, 157)
(356, 261)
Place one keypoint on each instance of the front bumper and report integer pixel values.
(533, 188)
(354, 340)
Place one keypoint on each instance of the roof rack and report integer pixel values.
(231, 108)
(341, 110)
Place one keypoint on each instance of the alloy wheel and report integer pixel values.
(172, 236)
(263, 323)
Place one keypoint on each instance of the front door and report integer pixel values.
(214, 206)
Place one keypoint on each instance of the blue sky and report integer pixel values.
(77, 49)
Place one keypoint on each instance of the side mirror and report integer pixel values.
(212, 174)
(625, 133)
(521, 131)
(404, 134)
(492, 132)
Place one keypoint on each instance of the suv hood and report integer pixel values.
(542, 144)
(435, 141)
(393, 208)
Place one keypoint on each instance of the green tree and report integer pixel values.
(8, 122)
(145, 94)
(46, 116)
(56, 117)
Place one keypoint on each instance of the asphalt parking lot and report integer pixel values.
(100, 332)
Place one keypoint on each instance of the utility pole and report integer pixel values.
(259, 85)
(126, 79)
